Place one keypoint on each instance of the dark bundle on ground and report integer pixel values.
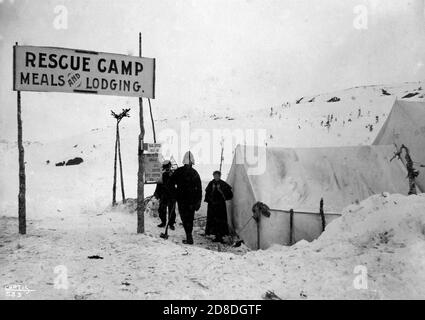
(334, 99)
(410, 95)
(74, 162)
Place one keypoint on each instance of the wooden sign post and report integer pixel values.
(22, 180)
(141, 172)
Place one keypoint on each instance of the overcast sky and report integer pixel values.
(213, 55)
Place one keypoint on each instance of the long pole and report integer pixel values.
(153, 122)
(22, 183)
(222, 154)
(114, 186)
(140, 175)
(322, 215)
(291, 227)
(121, 172)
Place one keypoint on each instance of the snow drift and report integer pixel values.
(385, 234)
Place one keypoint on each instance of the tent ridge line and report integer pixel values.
(305, 212)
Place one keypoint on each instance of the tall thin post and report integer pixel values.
(222, 154)
(22, 215)
(153, 122)
(322, 215)
(258, 235)
(114, 186)
(141, 172)
(22, 183)
(291, 227)
(121, 172)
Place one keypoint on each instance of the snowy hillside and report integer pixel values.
(70, 218)
(291, 125)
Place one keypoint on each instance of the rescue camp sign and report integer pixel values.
(47, 69)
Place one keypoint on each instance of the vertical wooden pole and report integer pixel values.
(322, 214)
(121, 172)
(153, 122)
(258, 220)
(291, 227)
(114, 186)
(22, 180)
(222, 154)
(22, 183)
(258, 235)
(141, 172)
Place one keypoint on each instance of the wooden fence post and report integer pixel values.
(322, 214)
(291, 226)
(258, 234)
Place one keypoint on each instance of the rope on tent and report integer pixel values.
(239, 242)
(303, 212)
(322, 214)
(246, 224)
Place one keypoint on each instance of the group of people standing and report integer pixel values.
(183, 189)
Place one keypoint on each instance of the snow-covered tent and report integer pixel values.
(406, 125)
(297, 179)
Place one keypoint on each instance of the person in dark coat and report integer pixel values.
(216, 195)
(188, 194)
(166, 193)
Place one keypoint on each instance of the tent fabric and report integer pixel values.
(298, 178)
(406, 125)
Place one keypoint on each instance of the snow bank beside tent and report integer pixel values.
(384, 234)
(381, 219)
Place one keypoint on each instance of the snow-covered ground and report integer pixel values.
(70, 219)
(384, 235)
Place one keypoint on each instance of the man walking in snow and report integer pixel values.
(165, 192)
(188, 193)
(216, 195)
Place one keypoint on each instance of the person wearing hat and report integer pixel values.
(216, 195)
(188, 193)
(165, 192)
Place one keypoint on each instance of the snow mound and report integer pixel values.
(394, 220)
(383, 235)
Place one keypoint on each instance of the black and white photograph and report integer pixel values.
(212, 150)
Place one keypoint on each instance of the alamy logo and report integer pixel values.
(361, 21)
(61, 19)
(206, 146)
(360, 281)
(61, 280)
